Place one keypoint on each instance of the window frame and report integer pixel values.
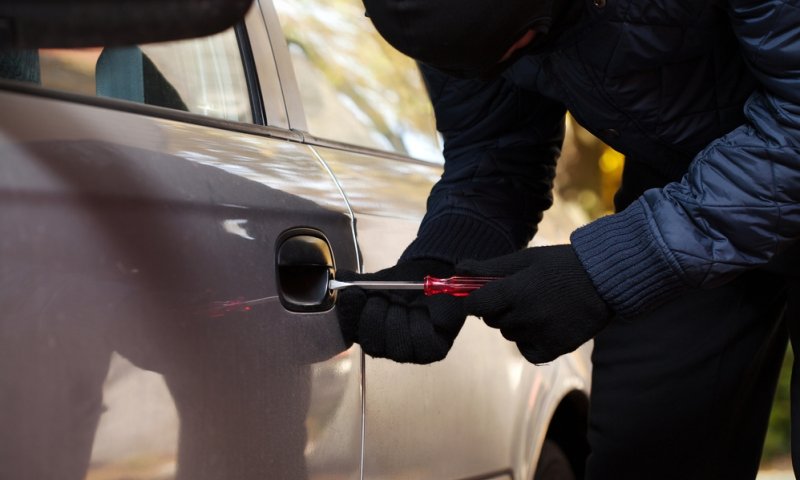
(255, 70)
(250, 74)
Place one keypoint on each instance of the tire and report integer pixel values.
(553, 463)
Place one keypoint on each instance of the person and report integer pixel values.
(690, 289)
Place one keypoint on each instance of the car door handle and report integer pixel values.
(304, 266)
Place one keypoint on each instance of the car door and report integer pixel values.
(166, 246)
(483, 412)
(421, 422)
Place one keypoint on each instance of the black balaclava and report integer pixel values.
(466, 37)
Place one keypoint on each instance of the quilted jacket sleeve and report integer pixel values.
(500, 147)
(739, 204)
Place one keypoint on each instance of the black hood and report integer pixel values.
(457, 35)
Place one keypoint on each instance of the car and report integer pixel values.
(172, 214)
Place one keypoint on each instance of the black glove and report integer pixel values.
(402, 325)
(546, 303)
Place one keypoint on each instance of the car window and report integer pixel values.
(354, 86)
(204, 75)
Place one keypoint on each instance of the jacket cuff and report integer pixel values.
(626, 262)
(452, 238)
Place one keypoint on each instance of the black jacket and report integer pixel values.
(703, 98)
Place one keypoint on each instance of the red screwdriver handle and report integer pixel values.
(457, 286)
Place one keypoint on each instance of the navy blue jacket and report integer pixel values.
(702, 97)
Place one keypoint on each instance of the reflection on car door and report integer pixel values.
(149, 238)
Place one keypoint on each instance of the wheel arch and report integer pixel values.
(568, 427)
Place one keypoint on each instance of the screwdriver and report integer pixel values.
(457, 286)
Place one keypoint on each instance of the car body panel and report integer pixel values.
(269, 83)
(123, 233)
(295, 117)
(484, 410)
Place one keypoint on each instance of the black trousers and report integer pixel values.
(685, 392)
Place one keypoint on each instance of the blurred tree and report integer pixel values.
(381, 87)
(589, 171)
(780, 431)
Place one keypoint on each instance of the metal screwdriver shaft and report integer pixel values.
(457, 286)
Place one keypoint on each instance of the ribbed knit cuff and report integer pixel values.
(452, 238)
(625, 262)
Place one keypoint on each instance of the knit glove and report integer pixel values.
(546, 302)
(401, 325)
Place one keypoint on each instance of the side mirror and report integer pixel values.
(94, 23)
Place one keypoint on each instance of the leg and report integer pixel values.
(685, 392)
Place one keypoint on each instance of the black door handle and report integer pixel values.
(304, 266)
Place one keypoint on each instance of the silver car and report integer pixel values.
(171, 215)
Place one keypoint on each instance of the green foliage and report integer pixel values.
(779, 433)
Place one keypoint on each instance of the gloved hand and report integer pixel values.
(546, 302)
(401, 325)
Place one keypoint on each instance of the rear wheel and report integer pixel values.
(553, 463)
